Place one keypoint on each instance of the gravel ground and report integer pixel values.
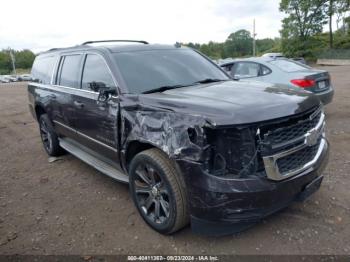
(67, 207)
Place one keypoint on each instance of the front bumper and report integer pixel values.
(221, 206)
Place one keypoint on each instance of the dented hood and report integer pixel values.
(233, 102)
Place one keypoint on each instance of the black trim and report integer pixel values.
(108, 41)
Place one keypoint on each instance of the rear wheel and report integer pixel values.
(49, 137)
(158, 191)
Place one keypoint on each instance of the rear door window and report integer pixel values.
(96, 71)
(245, 70)
(70, 71)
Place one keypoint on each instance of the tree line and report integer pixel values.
(23, 60)
(301, 34)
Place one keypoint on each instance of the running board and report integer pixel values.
(107, 169)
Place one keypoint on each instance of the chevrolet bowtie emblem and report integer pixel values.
(312, 137)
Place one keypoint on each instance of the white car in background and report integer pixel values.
(3, 79)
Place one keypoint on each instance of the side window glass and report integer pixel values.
(227, 68)
(96, 74)
(43, 68)
(246, 70)
(265, 70)
(70, 68)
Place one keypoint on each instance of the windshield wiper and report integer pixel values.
(162, 89)
(165, 88)
(209, 80)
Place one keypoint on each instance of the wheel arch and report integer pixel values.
(39, 110)
(133, 148)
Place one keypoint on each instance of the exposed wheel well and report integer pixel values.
(39, 110)
(133, 149)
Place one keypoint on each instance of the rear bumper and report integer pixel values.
(327, 96)
(225, 206)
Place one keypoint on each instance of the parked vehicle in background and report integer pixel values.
(283, 72)
(300, 60)
(3, 79)
(194, 145)
(25, 77)
(280, 55)
(273, 55)
(10, 78)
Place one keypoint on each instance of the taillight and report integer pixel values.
(303, 83)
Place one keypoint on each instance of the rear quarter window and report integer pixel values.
(288, 65)
(43, 69)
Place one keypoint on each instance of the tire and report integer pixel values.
(49, 137)
(158, 191)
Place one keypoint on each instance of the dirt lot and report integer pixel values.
(67, 207)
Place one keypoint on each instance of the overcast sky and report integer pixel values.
(44, 24)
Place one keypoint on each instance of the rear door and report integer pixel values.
(66, 85)
(97, 121)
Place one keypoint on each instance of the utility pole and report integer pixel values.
(254, 34)
(13, 61)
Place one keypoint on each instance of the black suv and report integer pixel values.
(194, 145)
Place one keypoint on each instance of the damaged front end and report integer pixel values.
(252, 171)
(235, 175)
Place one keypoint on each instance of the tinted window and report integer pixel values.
(288, 65)
(146, 70)
(43, 68)
(245, 70)
(227, 68)
(70, 71)
(96, 71)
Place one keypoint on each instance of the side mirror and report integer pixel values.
(96, 86)
(105, 92)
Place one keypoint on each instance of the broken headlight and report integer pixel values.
(232, 152)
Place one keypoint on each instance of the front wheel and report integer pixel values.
(158, 191)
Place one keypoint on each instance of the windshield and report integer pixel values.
(147, 70)
(288, 65)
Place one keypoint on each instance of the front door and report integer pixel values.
(97, 121)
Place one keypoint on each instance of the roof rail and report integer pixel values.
(107, 41)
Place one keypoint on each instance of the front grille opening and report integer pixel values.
(281, 125)
(276, 135)
(298, 159)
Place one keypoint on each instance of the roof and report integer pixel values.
(252, 59)
(114, 48)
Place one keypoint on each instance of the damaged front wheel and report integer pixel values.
(158, 191)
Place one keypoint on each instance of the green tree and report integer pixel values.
(263, 45)
(341, 8)
(305, 19)
(239, 43)
(24, 58)
(5, 62)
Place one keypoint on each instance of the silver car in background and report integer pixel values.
(284, 72)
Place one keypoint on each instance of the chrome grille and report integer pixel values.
(291, 149)
(290, 133)
(297, 159)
